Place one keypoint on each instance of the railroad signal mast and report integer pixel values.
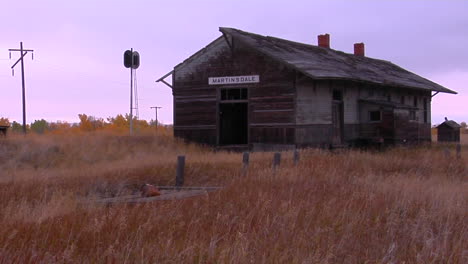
(132, 61)
(23, 53)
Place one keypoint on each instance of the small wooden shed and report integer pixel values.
(3, 130)
(448, 131)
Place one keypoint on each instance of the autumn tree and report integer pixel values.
(39, 126)
(464, 127)
(90, 123)
(17, 127)
(59, 127)
(119, 123)
(4, 121)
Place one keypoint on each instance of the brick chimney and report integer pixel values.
(359, 49)
(324, 41)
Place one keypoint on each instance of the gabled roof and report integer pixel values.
(451, 124)
(323, 63)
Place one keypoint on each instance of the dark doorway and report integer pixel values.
(233, 123)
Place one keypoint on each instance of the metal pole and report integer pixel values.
(24, 89)
(131, 95)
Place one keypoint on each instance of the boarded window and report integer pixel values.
(375, 116)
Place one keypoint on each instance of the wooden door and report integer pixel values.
(337, 123)
(387, 126)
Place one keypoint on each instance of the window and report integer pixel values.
(337, 95)
(234, 94)
(374, 116)
(412, 115)
(402, 99)
(415, 101)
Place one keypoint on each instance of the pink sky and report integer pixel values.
(78, 68)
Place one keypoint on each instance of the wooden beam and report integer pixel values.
(227, 40)
(164, 77)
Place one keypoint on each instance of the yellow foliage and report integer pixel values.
(4, 121)
(118, 124)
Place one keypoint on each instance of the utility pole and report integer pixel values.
(156, 112)
(23, 53)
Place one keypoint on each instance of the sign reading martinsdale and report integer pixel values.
(234, 80)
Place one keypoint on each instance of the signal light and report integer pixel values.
(128, 63)
(136, 60)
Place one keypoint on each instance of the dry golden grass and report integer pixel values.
(403, 205)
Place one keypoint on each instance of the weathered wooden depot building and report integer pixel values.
(245, 89)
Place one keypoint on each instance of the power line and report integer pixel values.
(23, 53)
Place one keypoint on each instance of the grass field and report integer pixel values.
(405, 205)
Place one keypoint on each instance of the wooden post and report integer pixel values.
(180, 171)
(447, 153)
(458, 148)
(245, 162)
(296, 157)
(276, 161)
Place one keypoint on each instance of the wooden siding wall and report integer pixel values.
(405, 130)
(313, 112)
(271, 102)
(446, 133)
(314, 99)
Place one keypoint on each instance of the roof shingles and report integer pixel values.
(323, 63)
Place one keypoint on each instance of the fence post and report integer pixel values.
(296, 157)
(180, 171)
(458, 148)
(276, 161)
(245, 162)
(447, 153)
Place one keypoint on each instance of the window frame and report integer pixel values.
(371, 120)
